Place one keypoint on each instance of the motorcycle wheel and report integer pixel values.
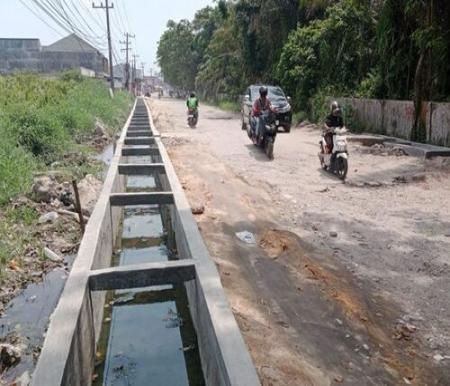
(269, 147)
(249, 132)
(342, 168)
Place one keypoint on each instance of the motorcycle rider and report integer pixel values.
(259, 106)
(333, 120)
(192, 104)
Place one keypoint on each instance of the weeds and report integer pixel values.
(41, 119)
(229, 106)
(44, 120)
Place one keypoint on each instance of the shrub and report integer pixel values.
(38, 131)
(16, 167)
(40, 118)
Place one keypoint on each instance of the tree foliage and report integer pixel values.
(396, 49)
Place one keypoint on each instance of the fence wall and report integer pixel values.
(396, 118)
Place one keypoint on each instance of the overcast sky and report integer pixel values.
(147, 19)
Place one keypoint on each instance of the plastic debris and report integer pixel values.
(246, 237)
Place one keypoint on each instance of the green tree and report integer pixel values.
(178, 55)
(334, 53)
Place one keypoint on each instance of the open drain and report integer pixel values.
(143, 303)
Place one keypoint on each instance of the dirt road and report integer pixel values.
(347, 283)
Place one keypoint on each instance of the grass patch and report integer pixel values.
(299, 117)
(18, 233)
(22, 214)
(41, 119)
(229, 106)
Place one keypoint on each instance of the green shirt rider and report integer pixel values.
(192, 103)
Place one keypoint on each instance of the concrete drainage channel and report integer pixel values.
(143, 303)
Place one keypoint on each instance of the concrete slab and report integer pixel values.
(139, 141)
(151, 198)
(142, 275)
(139, 151)
(139, 133)
(141, 169)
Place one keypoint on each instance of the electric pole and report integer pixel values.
(134, 77)
(127, 63)
(143, 66)
(107, 7)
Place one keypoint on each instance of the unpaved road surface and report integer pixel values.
(347, 283)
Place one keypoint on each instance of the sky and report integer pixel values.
(146, 19)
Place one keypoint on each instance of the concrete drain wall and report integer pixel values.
(68, 354)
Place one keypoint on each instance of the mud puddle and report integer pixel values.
(106, 155)
(26, 318)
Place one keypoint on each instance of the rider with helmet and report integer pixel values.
(192, 104)
(333, 120)
(259, 106)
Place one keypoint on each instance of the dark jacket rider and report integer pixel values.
(259, 106)
(332, 121)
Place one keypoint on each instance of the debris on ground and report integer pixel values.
(246, 237)
(74, 215)
(9, 356)
(49, 254)
(274, 243)
(89, 189)
(404, 331)
(23, 380)
(48, 217)
(44, 189)
(197, 208)
(381, 149)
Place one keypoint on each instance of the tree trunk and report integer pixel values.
(422, 80)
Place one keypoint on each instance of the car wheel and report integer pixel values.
(287, 129)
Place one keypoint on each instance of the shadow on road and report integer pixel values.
(257, 153)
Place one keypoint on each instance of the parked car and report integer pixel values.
(279, 100)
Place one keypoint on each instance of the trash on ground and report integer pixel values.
(246, 237)
(48, 217)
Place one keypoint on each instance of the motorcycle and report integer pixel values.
(265, 140)
(335, 158)
(192, 118)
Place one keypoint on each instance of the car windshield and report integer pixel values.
(274, 93)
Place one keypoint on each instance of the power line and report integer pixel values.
(73, 9)
(40, 18)
(122, 4)
(51, 11)
(119, 16)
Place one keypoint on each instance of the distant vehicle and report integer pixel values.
(283, 116)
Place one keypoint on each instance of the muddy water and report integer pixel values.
(106, 155)
(26, 318)
(147, 334)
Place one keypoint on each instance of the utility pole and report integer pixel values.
(134, 77)
(127, 64)
(107, 7)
